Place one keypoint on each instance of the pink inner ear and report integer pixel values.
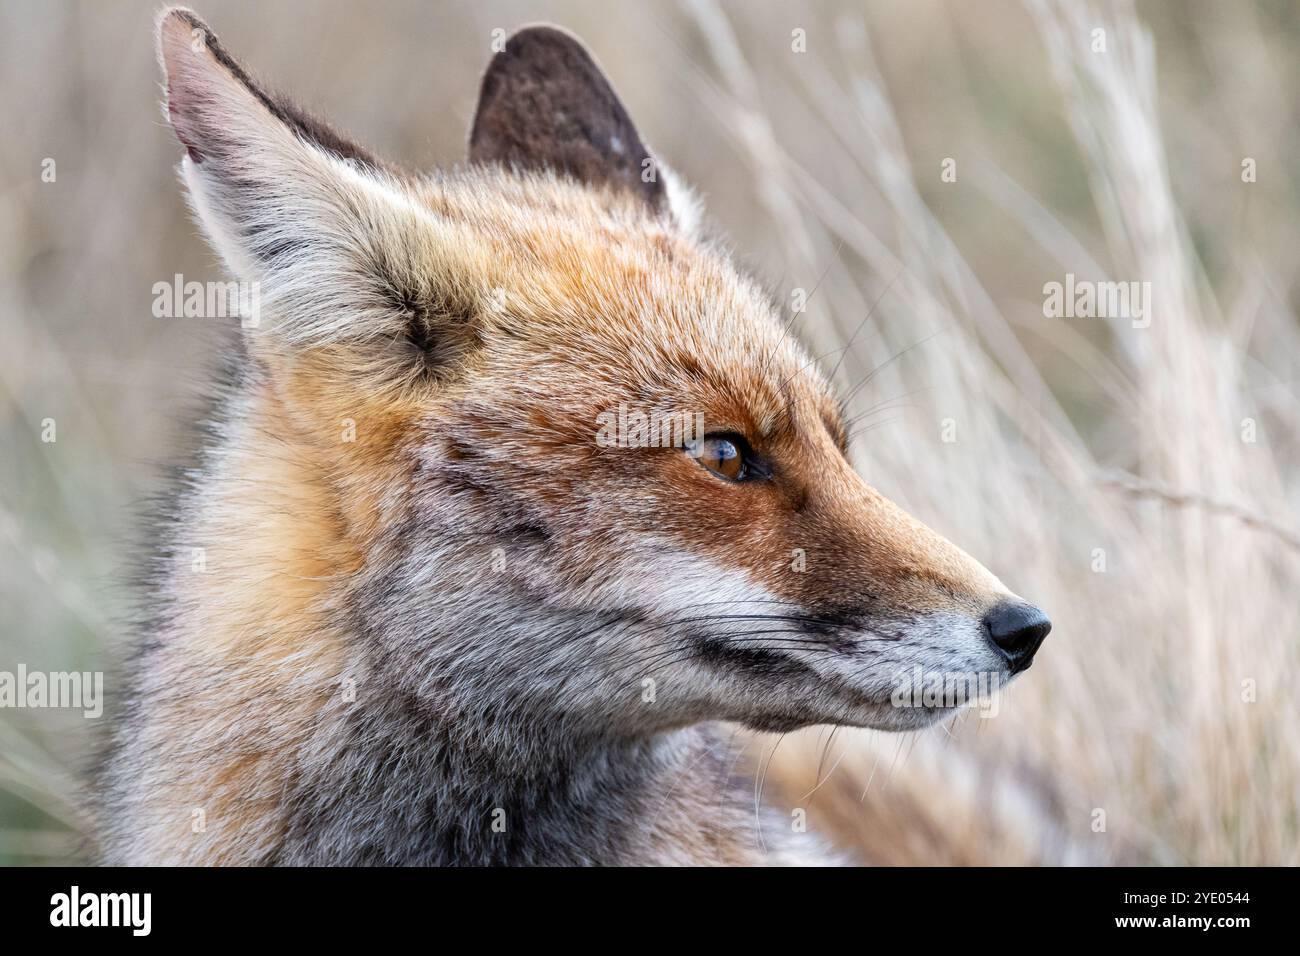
(185, 68)
(210, 97)
(179, 125)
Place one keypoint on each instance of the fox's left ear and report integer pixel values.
(545, 104)
(345, 259)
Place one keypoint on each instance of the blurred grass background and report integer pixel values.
(824, 166)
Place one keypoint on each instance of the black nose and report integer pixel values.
(1018, 629)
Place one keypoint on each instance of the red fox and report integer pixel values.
(519, 494)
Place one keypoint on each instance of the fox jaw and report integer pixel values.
(436, 353)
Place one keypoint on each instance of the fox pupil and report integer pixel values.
(721, 456)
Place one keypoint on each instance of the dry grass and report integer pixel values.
(1072, 434)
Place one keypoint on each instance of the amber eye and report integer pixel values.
(725, 456)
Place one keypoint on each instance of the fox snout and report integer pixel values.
(1017, 629)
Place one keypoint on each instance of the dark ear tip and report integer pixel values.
(538, 36)
(539, 50)
(542, 48)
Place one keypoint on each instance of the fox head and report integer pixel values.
(571, 468)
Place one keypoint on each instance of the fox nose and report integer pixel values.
(1017, 629)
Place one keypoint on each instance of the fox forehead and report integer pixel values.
(585, 284)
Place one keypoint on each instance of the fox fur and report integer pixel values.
(433, 620)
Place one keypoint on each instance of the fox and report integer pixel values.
(437, 616)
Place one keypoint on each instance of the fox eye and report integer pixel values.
(727, 456)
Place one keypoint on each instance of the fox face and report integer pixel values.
(555, 461)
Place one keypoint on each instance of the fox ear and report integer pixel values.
(338, 245)
(210, 97)
(545, 104)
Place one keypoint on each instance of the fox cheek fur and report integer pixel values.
(432, 601)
